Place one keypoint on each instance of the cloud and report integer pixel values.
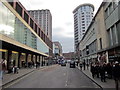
(68, 24)
(58, 31)
(66, 42)
(62, 17)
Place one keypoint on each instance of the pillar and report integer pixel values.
(32, 58)
(9, 57)
(19, 57)
(35, 58)
(26, 59)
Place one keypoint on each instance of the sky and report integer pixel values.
(62, 18)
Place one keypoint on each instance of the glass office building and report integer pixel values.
(21, 37)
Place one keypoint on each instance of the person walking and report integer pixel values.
(97, 67)
(102, 72)
(1, 69)
(93, 70)
(116, 75)
(4, 65)
(84, 64)
(80, 66)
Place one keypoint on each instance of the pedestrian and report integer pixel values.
(109, 70)
(102, 72)
(84, 64)
(1, 69)
(87, 66)
(4, 65)
(15, 69)
(116, 75)
(93, 70)
(97, 69)
(80, 66)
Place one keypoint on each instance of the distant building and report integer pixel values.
(44, 19)
(68, 56)
(57, 49)
(83, 15)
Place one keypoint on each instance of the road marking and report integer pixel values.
(66, 84)
(16, 81)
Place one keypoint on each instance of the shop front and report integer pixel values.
(114, 54)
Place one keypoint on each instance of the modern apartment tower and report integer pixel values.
(83, 15)
(44, 19)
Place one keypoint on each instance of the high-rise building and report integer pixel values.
(44, 19)
(83, 15)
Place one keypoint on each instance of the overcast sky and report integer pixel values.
(62, 17)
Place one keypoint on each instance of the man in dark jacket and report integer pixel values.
(93, 70)
(102, 72)
(116, 75)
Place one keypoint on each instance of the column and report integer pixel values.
(39, 61)
(26, 59)
(32, 57)
(35, 58)
(42, 60)
(9, 57)
(19, 57)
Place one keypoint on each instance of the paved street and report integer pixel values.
(55, 77)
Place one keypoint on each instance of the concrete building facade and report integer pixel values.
(83, 15)
(112, 24)
(88, 45)
(103, 44)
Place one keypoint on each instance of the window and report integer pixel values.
(83, 24)
(83, 27)
(26, 17)
(100, 43)
(82, 18)
(115, 3)
(11, 2)
(118, 31)
(114, 34)
(83, 21)
(110, 7)
(83, 30)
(31, 23)
(110, 37)
(82, 15)
(106, 13)
(18, 9)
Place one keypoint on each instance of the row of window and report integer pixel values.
(31, 22)
(114, 34)
(111, 8)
